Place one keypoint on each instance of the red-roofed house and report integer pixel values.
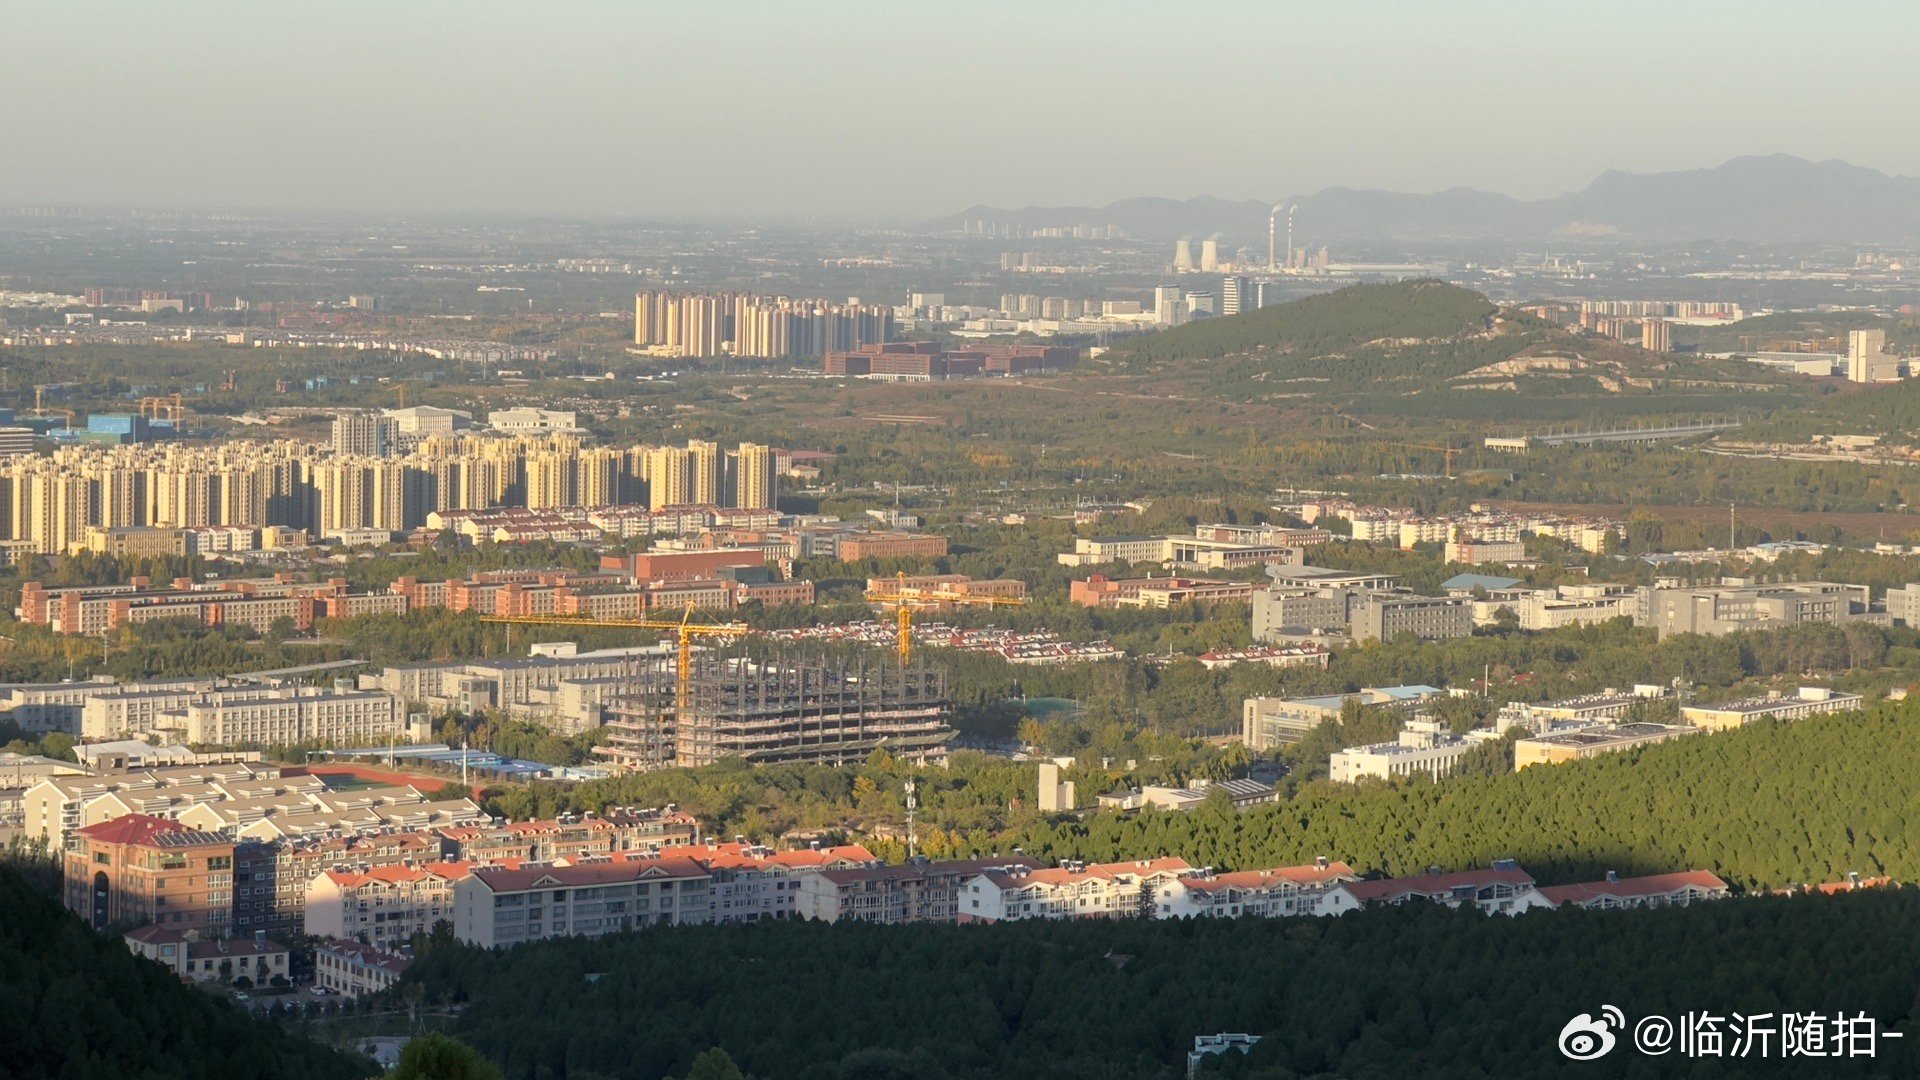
(497, 906)
(1656, 890)
(141, 869)
(1318, 889)
(1069, 891)
(1854, 881)
(1503, 889)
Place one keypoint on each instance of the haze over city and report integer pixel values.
(974, 541)
(904, 111)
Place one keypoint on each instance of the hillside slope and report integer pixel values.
(1429, 349)
(1345, 319)
(77, 1005)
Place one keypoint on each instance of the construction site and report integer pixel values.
(778, 708)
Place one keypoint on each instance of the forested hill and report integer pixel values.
(1426, 349)
(1765, 807)
(1394, 992)
(78, 1006)
(1320, 325)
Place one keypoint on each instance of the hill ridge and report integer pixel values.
(1754, 197)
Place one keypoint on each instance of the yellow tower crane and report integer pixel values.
(169, 407)
(41, 408)
(685, 630)
(906, 599)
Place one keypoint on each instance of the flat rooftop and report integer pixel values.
(1769, 704)
(1623, 733)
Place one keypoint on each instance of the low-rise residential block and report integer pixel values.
(353, 970)
(1280, 892)
(919, 892)
(257, 959)
(497, 906)
(1502, 889)
(385, 906)
(1809, 701)
(1655, 890)
(1425, 747)
(1558, 747)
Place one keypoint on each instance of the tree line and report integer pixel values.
(1392, 992)
(78, 1006)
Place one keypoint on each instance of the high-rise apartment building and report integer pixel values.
(743, 324)
(1236, 294)
(1867, 359)
(669, 477)
(703, 459)
(753, 477)
(364, 433)
(1170, 308)
(55, 503)
(1656, 335)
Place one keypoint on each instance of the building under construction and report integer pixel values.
(781, 709)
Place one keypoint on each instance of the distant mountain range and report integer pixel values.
(1776, 198)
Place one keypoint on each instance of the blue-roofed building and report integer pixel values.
(119, 428)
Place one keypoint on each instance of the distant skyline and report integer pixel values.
(908, 110)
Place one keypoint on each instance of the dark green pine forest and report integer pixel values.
(75, 1005)
(1397, 992)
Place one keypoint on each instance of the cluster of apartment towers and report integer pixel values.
(368, 477)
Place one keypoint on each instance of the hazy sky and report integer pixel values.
(909, 109)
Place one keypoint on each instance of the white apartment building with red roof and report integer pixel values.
(382, 906)
(1069, 891)
(498, 906)
(1316, 889)
(752, 883)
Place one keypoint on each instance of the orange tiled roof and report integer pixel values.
(1648, 885)
(1313, 874)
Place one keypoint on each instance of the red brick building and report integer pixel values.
(691, 565)
(140, 869)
